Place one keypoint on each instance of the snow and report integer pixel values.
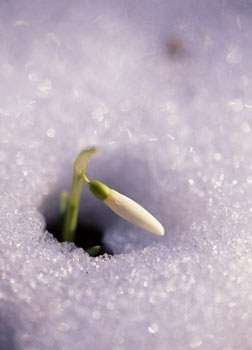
(164, 88)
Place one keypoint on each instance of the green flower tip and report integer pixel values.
(100, 190)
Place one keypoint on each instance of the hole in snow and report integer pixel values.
(92, 223)
(97, 224)
(87, 235)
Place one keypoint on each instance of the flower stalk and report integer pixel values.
(70, 221)
(73, 200)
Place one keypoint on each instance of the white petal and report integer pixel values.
(133, 212)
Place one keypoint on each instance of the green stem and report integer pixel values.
(71, 216)
(69, 204)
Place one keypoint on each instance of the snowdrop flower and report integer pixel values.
(120, 204)
(125, 207)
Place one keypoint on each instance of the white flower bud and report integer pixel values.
(133, 212)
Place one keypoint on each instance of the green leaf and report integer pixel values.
(94, 251)
(63, 203)
(81, 162)
(71, 214)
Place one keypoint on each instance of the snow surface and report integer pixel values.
(165, 89)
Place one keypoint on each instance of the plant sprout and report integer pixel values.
(69, 203)
(120, 204)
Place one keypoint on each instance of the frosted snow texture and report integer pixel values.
(165, 89)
